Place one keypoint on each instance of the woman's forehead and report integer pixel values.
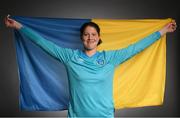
(90, 29)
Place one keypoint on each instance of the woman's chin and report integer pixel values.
(90, 48)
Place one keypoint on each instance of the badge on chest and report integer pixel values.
(100, 61)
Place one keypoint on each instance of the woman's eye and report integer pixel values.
(85, 34)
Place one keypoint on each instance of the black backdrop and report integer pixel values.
(116, 9)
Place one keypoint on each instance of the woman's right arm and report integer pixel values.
(63, 54)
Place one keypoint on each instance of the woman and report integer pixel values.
(90, 72)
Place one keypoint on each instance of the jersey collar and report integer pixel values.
(84, 55)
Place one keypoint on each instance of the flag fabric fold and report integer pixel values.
(138, 82)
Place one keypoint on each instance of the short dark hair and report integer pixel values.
(92, 24)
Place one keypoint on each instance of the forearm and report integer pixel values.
(139, 46)
(32, 35)
(48, 46)
(18, 26)
(162, 31)
(147, 41)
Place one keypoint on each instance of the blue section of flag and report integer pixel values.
(43, 80)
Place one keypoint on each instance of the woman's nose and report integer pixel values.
(90, 37)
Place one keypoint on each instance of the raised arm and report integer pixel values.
(119, 56)
(63, 54)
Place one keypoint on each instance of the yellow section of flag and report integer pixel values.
(140, 81)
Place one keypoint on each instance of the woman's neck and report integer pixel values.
(90, 52)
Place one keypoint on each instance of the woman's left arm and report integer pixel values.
(119, 56)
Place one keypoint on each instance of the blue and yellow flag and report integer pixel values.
(138, 82)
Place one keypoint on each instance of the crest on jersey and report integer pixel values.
(100, 61)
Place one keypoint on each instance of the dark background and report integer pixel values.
(112, 9)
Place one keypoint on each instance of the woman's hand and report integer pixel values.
(12, 23)
(170, 27)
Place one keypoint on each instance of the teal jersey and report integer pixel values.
(90, 78)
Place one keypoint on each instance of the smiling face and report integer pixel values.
(90, 38)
